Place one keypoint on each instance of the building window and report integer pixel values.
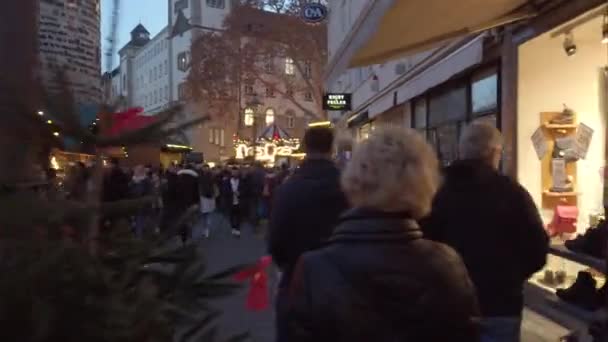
(222, 142)
(155, 73)
(248, 119)
(183, 61)
(167, 93)
(216, 3)
(155, 97)
(211, 135)
(269, 116)
(269, 92)
(289, 66)
(166, 67)
(484, 93)
(269, 65)
(216, 138)
(289, 92)
(308, 96)
(291, 120)
(307, 69)
(182, 91)
(248, 89)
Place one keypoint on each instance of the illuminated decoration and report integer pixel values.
(320, 124)
(54, 163)
(41, 113)
(269, 116)
(179, 146)
(248, 117)
(337, 101)
(56, 134)
(50, 122)
(272, 143)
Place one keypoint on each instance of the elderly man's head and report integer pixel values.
(481, 141)
(394, 170)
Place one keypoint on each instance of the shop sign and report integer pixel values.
(337, 101)
(265, 152)
(313, 13)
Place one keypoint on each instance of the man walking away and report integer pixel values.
(208, 192)
(187, 189)
(494, 225)
(233, 188)
(305, 210)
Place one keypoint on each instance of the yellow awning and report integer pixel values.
(394, 28)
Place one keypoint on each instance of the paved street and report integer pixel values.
(222, 251)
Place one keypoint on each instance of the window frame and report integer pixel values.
(290, 66)
(270, 113)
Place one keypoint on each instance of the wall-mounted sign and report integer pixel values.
(313, 13)
(337, 101)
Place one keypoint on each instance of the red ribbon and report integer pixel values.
(258, 298)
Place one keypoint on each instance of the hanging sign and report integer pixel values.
(313, 13)
(337, 101)
(539, 142)
(584, 134)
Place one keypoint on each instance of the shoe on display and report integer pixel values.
(236, 233)
(582, 293)
(560, 277)
(566, 117)
(548, 279)
(592, 243)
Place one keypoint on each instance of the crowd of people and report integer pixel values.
(240, 193)
(394, 248)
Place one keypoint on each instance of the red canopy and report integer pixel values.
(129, 120)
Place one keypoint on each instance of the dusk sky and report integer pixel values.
(151, 13)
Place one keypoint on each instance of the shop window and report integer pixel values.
(448, 106)
(269, 116)
(484, 93)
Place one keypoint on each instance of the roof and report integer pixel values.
(140, 29)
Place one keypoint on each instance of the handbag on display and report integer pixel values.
(564, 220)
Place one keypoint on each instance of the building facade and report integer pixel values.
(153, 73)
(69, 39)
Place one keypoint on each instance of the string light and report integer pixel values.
(56, 134)
(50, 122)
(41, 113)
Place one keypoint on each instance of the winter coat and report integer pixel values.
(187, 189)
(115, 185)
(305, 210)
(377, 279)
(492, 222)
(206, 185)
(227, 192)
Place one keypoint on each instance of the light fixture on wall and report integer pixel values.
(569, 45)
(605, 29)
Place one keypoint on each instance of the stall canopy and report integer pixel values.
(395, 28)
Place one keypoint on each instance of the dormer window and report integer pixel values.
(144, 35)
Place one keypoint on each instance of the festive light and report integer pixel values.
(41, 113)
(56, 134)
(320, 124)
(179, 146)
(54, 163)
(50, 122)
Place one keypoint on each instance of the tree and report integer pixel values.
(263, 42)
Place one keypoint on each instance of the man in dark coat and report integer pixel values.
(115, 183)
(494, 225)
(305, 210)
(187, 188)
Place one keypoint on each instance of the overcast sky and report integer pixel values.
(151, 13)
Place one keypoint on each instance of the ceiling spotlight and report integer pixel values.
(569, 46)
(605, 29)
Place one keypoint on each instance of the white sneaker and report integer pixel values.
(236, 233)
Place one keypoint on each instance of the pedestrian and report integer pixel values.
(141, 186)
(494, 225)
(208, 192)
(170, 199)
(233, 188)
(377, 278)
(305, 210)
(255, 182)
(188, 196)
(116, 183)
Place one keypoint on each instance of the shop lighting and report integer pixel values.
(50, 122)
(569, 45)
(320, 124)
(56, 134)
(41, 113)
(179, 146)
(605, 29)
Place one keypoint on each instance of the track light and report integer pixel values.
(605, 29)
(569, 46)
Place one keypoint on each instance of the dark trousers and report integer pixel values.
(235, 216)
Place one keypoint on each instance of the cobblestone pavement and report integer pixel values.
(222, 251)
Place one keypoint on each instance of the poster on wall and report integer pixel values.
(584, 134)
(539, 142)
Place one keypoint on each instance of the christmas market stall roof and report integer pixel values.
(396, 28)
(274, 132)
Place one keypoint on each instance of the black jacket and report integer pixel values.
(494, 225)
(379, 280)
(187, 189)
(115, 185)
(305, 210)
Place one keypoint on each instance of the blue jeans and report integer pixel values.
(501, 329)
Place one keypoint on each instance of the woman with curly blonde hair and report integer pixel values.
(378, 279)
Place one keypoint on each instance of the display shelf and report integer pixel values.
(583, 259)
(560, 194)
(557, 126)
